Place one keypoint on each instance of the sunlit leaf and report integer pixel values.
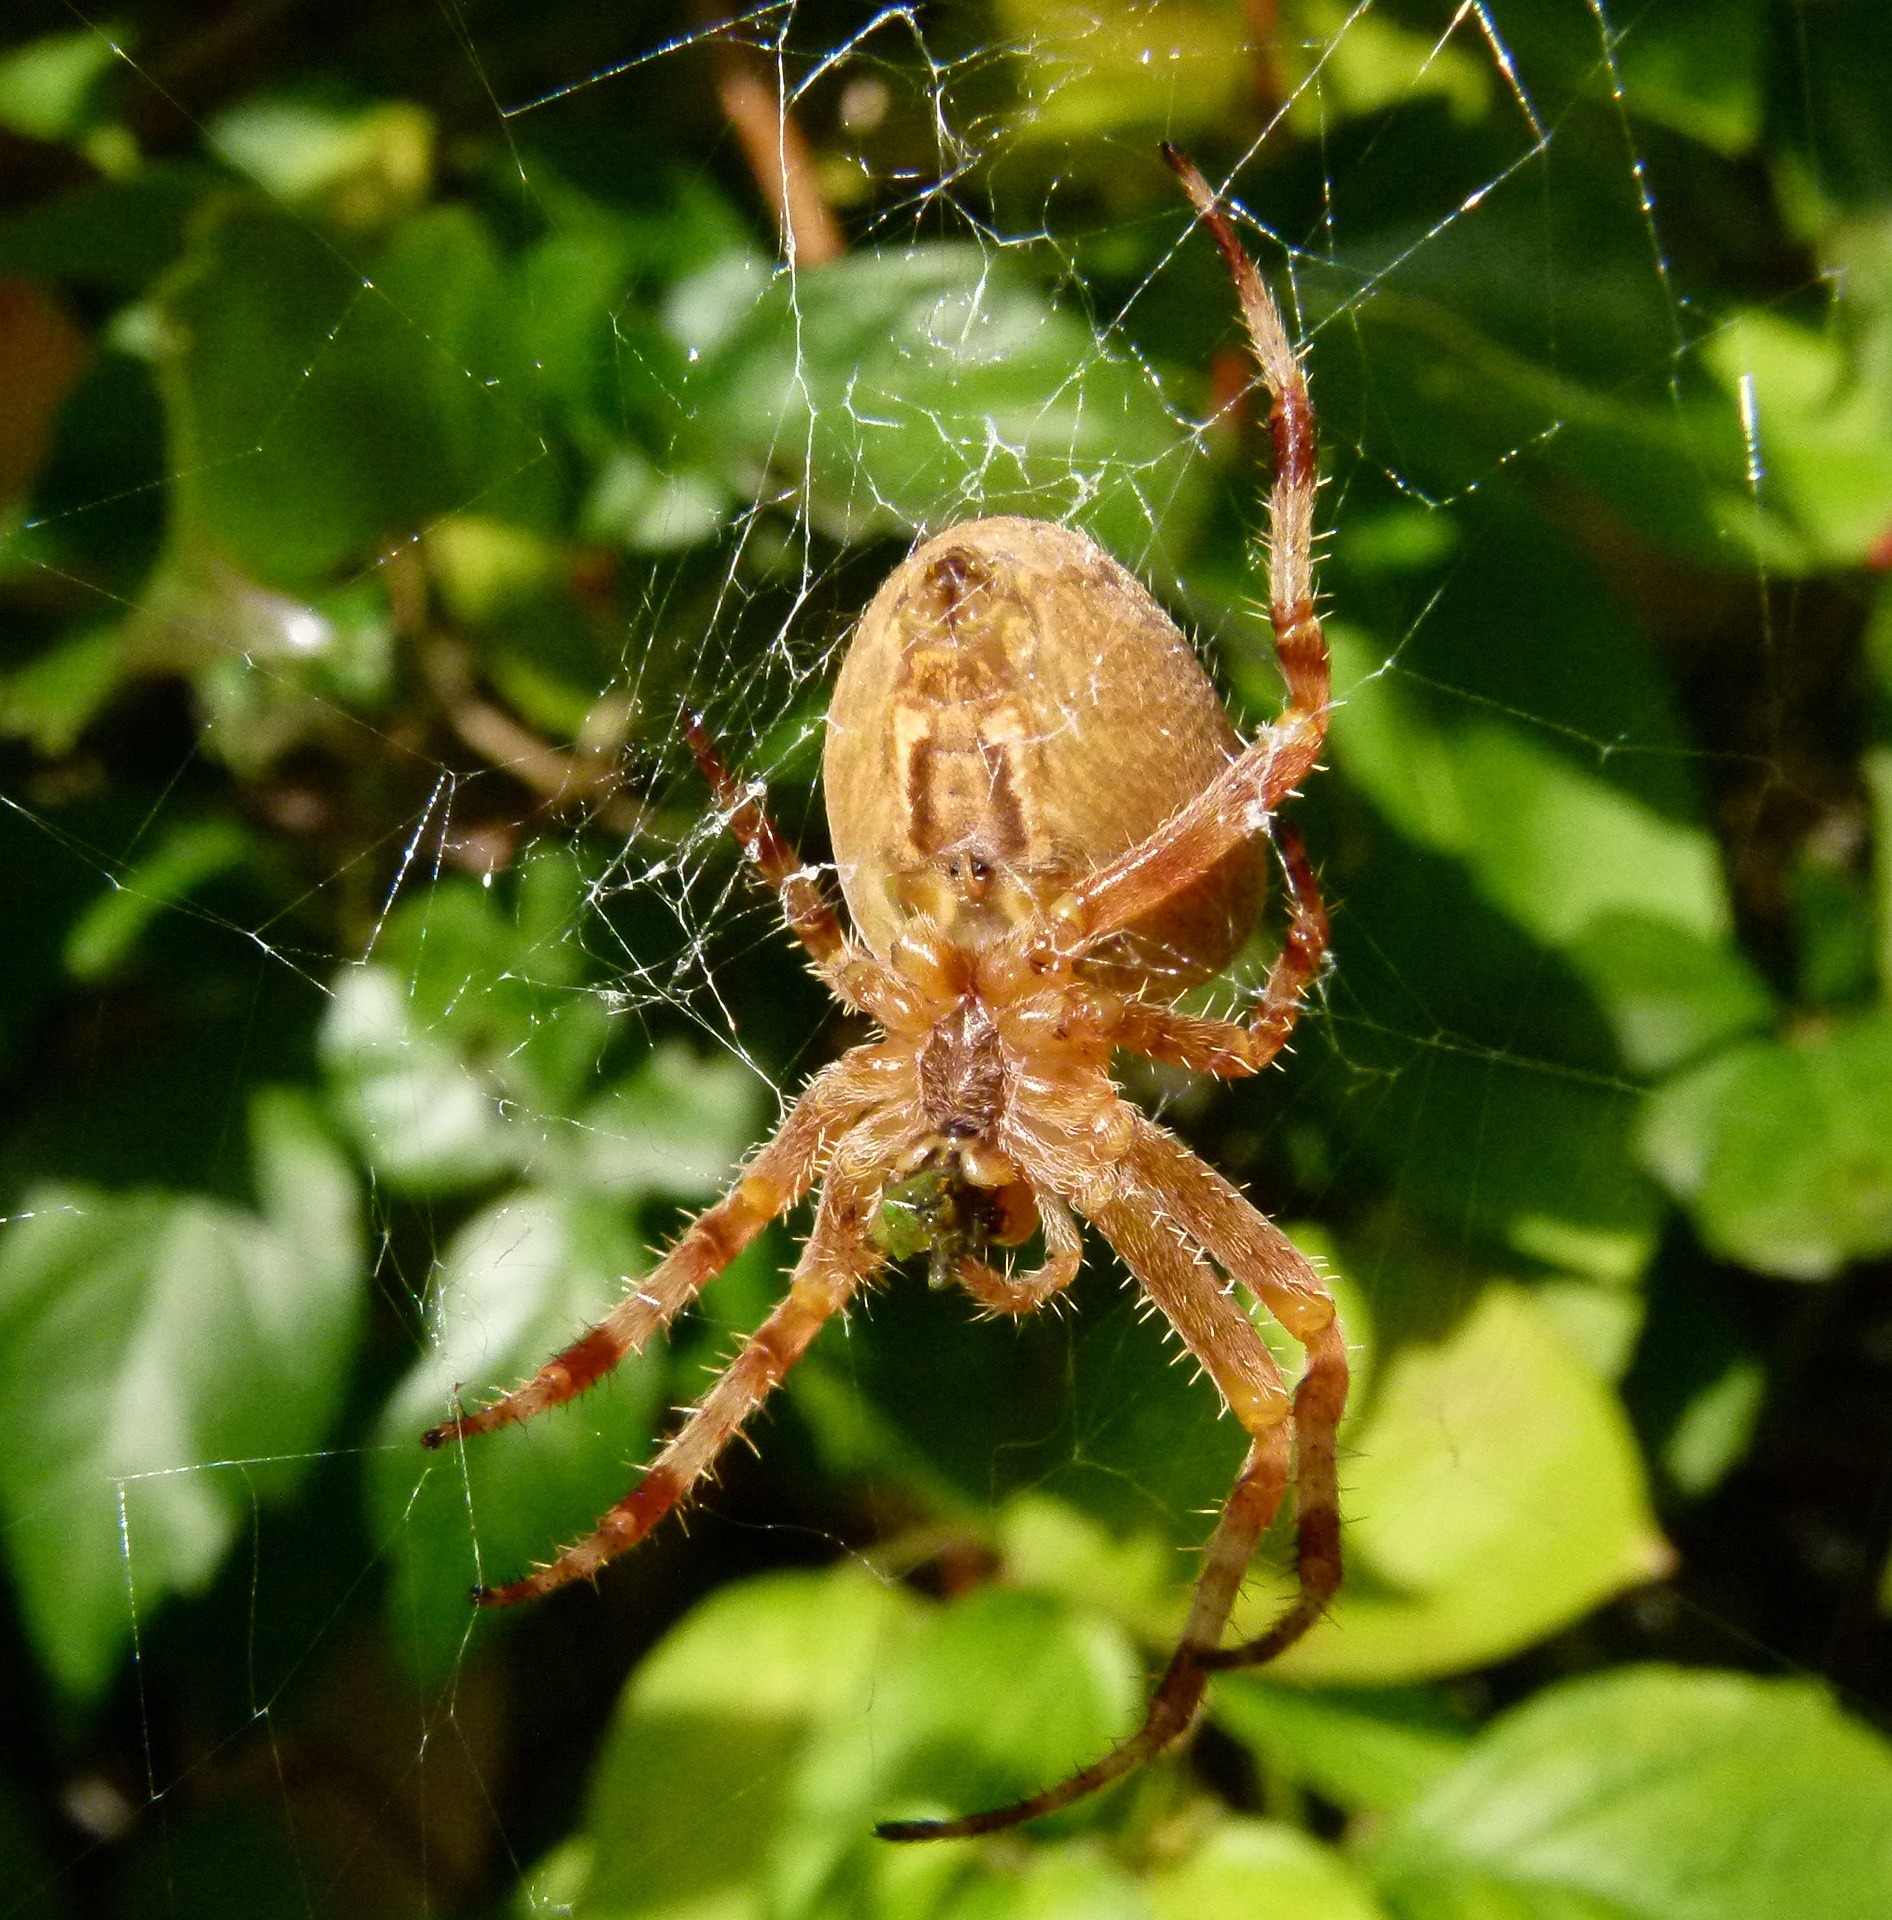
(987, 1701)
(521, 1280)
(316, 410)
(1250, 1867)
(1375, 1751)
(1825, 431)
(524, 1277)
(1782, 1150)
(1172, 66)
(1493, 1494)
(181, 861)
(904, 390)
(696, 1770)
(1666, 1795)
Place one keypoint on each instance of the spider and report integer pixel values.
(1044, 827)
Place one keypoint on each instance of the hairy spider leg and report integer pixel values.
(1221, 1046)
(835, 1261)
(1258, 1256)
(1026, 1293)
(774, 1181)
(810, 917)
(1241, 799)
(852, 973)
(1180, 1284)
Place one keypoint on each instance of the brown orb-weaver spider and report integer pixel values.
(1044, 827)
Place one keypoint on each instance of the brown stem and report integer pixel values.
(778, 156)
(585, 779)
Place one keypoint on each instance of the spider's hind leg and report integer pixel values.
(1259, 1257)
(1222, 1337)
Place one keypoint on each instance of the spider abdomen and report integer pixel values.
(1014, 711)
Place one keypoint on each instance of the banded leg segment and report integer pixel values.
(1233, 1353)
(836, 1260)
(1240, 800)
(1257, 1255)
(775, 1180)
(810, 917)
(1220, 1046)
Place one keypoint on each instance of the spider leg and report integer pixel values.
(1223, 1338)
(1238, 802)
(1221, 1046)
(810, 917)
(775, 1179)
(1260, 1257)
(838, 1257)
(1002, 1293)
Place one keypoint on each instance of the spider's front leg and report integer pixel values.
(772, 1183)
(1241, 801)
(837, 1259)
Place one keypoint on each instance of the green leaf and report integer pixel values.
(1172, 67)
(1665, 1795)
(359, 166)
(166, 1360)
(902, 390)
(184, 859)
(1782, 1150)
(1672, 994)
(48, 87)
(1825, 426)
(1493, 1494)
(1248, 1868)
(1374, 1751)
(471, 1043)
(52, 700)
(1698, 66)
(317, 413)
(112, 234)
(1353, 61)
(692, 1785)
(1072, 1882)
(990, 1699)
(426, 1121)
(1558, 847)
(675, 1125)
(516, 1284)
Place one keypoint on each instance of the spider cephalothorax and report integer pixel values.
(1045, 828)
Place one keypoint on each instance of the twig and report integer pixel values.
(778, 156)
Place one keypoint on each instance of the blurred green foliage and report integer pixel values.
(400, 415)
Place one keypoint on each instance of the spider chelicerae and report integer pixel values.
(1045, 828)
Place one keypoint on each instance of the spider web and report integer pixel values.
(512, 974)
